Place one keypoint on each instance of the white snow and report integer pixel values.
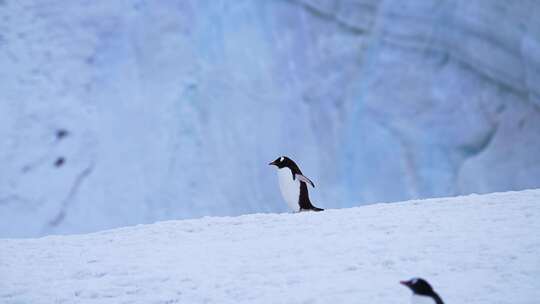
(174, 108)
(473, 249)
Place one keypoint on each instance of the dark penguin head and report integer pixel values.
(422, 288)
(285, 162)
(418, 286)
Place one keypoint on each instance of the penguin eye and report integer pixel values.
(281, 159)
(414, 281)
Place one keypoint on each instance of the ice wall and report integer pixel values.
(115, 113)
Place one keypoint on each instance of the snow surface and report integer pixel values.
(473, 249)
(440, 97)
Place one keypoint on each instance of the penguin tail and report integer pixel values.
(312, 208)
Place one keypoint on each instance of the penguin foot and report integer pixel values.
(312, 209)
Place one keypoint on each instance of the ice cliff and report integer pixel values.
(122, 112)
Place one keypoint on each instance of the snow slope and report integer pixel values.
(440, 96)
(474, 249)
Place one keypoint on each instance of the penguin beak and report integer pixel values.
(272, 163)
(406, 283)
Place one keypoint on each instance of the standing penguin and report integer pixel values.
(293, 185)
(422, 292)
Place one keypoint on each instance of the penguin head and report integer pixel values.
(418, 286)
(282, 162)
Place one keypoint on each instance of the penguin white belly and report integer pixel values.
(417, 299)
(290, 189)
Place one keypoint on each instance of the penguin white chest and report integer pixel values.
(290, 188)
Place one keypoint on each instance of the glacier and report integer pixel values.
(127, 112)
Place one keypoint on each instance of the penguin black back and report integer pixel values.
(304, 201)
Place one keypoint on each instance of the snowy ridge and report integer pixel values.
(473, 249)
(433, 95)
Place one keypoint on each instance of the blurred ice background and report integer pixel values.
(115, 113)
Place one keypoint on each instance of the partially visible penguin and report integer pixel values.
(423, 293)
(293, 185)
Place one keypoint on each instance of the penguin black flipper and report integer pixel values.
(304, 201)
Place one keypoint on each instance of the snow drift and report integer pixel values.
(474, 249)
(440, 97)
